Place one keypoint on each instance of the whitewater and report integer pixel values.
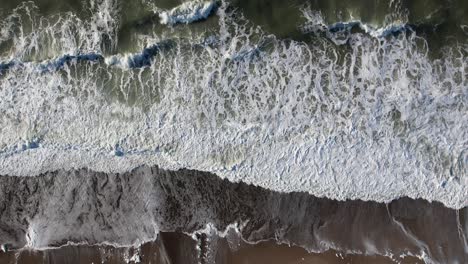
(357, 112)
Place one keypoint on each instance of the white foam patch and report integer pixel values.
(382, 122)
(188, 12)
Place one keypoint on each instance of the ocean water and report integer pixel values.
(343, 100)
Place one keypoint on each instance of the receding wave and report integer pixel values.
(132, 208)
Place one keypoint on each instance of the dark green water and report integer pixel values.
(440, 22)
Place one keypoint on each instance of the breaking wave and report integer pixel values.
(188, 12)
(370, 115)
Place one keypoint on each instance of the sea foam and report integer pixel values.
(372, 118)
(188, 12)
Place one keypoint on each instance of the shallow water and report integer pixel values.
(134, 208)
(178, 248)
(346, 100)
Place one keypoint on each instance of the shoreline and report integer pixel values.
(119, 209)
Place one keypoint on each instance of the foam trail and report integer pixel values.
(28, 36)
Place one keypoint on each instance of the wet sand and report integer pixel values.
(123, 208)
(177, 248)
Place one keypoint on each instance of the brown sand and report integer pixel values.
(175, 248)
